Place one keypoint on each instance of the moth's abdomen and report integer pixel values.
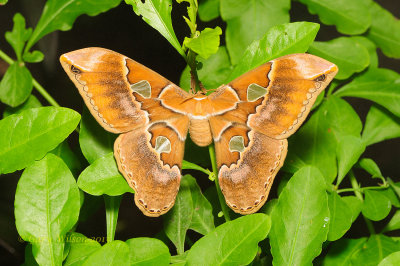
(200, 132)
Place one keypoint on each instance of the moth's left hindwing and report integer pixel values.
(123, 97)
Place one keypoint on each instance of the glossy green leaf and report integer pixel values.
(148, 251)
(112, 204)
(157, 13)
(341, 251)
(209, 9)
(191, 211)
(391, 195)
(16, 85)
(376, 84)
(102, 177)
(254, 20)
(341, 217)
(385, 30)
(19, 35)
(314, 144)
(349, 55)
(112, 253)
(375, 250)
(280, 40)
(213, 73)
(355, 205)
(95, 142)
(232, 243)
(348, 151)
(391, 260)
(371, 47)
(69, 157)
(371, 167)
(192, 166)
(300, 220)
(32, 102)
(33, 57)
(380, 125)
(81, 248)
(349, 17)
(376, 205)
(206, 44)
(394, 223)
(46, 208)
(37, 131)
(61, 14)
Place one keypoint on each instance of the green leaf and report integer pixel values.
(29, 135)
(214, 72)
(3, 2)
(349, 17)
(102, 177)
(371, 47)
(191, 211)
(32, 102)
(341, 217)
(314, 144)
(81, 248)
(377, 247)
(371, 167)
(61, 14)
(376, 84)
(376, 206)
(341, 251)
(206, 44)
(33, 57)
(157, 13)
(29, 259)
(209, 9)
(349, 55)
(391, 195)
(19, 35)
(16, 85)
(69, 157)
(192, 166)
(232, 243)
(112, 253)
(280, 40)
(46, 207)
(390, 260)
(385, 30)
(348, 151)
(394, 223)
(380, 125)
(300, 220)
(355, 205)
(254, 19)
(95, 142)
(148, 251)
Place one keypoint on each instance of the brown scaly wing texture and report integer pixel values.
(123, 97)
(250, 141)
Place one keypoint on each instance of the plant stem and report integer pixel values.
(36, 84)
(112, 208)
(362, 189)
(357, 192)
(221, 198)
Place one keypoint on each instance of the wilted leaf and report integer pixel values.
(341, 217)
(232, 243)
(32, 102)
(37, 131)
(46, 207)
(376, 206)
(206, 44)
(346, 53)
(16, 85)
(278, 41)
(103, 177)
(147, 251)
(81, 247)
(114, 253)
(300, 220)
(341, 251)
(349, 17)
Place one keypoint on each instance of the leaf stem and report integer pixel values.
(221, 198)
(358, 194)
(112, 207)
(361, 189)
(36, 84)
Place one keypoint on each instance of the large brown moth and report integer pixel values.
(248, 120)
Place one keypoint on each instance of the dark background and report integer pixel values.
(122, 31)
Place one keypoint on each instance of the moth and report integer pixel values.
(248, 120)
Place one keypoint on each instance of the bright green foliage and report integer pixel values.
(349, 17)
(102, 177)
(16, 85)
(148, 251)
(371, 167)
(115, 253)
(376, 205)
(209, 9)
(341, 217)
(341, 252)
(376, 248)
(32, 102)
(355, 205)
(19, 35)
(46, 207)
(232, 243)
(30, 135)
(346, 53)
(69, 157)
(390, 260)
(206, 43)
(80, 248)
(300, 220)
(371, 47)
(348, 151)
(394, 223)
